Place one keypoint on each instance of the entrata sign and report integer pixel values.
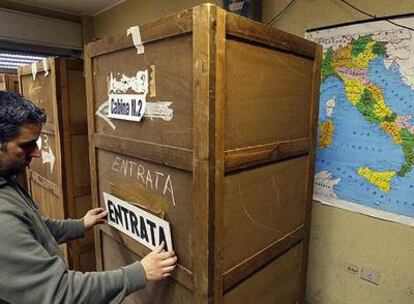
(140, 225)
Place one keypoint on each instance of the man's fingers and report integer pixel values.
(96, 210)
(166, 275)
(166, 254)
(102, 214)
(169, 262)
(159, 248)
(168, 269)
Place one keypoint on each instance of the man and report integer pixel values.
(32, 269)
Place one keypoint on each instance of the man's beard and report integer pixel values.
(11, 166)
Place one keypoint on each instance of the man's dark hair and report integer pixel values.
(16, 110)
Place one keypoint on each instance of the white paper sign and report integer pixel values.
(138, 224)
(127, 106)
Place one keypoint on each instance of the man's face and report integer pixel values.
(16, 154)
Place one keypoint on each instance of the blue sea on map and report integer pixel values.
(358, 143)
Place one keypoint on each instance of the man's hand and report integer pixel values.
(94, 217)
(159, 264)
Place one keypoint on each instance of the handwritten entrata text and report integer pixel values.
(152, 179)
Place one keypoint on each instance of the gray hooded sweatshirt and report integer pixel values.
(32, 269)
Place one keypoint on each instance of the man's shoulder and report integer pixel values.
(9, 203)
(13, 218)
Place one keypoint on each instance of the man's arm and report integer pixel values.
(30, 275)
(66, 230)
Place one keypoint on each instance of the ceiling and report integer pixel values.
(74, 7)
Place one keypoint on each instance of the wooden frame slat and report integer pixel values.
(203, 141)
(92, 150)
(66, 155)
(260, 33)
(166, 155)
(170, 26)
(218, 135)
(313, 132)
(245, 158)
(243, 270)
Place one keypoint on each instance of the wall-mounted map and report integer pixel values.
(365, 149)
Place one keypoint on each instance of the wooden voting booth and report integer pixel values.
(224, 152)
(59, 181)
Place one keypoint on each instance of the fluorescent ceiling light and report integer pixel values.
(12, 61)
(8, 67)
(27, 57)
(9, 60)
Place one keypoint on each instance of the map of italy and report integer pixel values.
(350, 64)
(365, 148)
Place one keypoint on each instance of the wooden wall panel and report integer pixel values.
(77, 97)
(39, 91)
(115, 255)
(81, 172)
(9, 82)
(42, 166)
(276, 283)
(265, 90)
(158, 189)
(261, 207)
(49, 204)
(172, 77)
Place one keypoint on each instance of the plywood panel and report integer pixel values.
(49, 204)
(172, 77)
(159, 190)
(77, 97)
(47, 166)
(40, 92)
(9, 82)
(167, 291)
(80, 161)
(262, 206)
(265, 90)
(276, 283)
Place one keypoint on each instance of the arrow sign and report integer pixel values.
(102, 112)
(48, 157)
